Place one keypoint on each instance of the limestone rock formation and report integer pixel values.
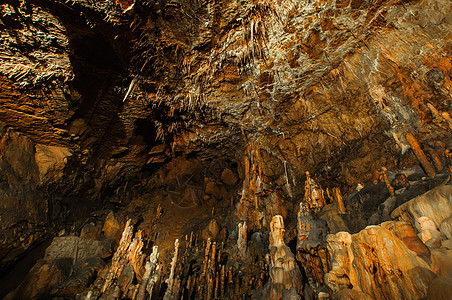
(285, 276)
(311, 233)
(397, 259)
(436, 205)
(377, 263)
(197, 120)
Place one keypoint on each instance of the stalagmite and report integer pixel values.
(123, 245)
(285, 277)
(211, 280)
(253, 186)
(209, 287)
(242, 208)
(214, 249)
(230, 276)
(136, 257)
(188, 286)
(429, 170)
(222, 281)
(153, 281)
(217, 285)
(150, 268)
(277, 232)
(173, 283)
(242, 239)
(206, 257)
(128, 254)
(311, 233)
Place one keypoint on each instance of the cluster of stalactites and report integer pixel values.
(252, 183)
(313, 196)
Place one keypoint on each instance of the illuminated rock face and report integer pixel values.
(394, 260)
(202, 103)
(378, 263)
(434, 206)
(285, 276)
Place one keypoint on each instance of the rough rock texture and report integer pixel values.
(77, 248)
(285, 276)
(394, 260)
(24, 209)
(41, 278)
(216, 110)
(378, 263)
(435, 204)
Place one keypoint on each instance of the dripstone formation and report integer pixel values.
(252, 149)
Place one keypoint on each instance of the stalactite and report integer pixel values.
(286, 177)
(381, 175)
(336, 196)
(420, 155)
(130, 89)
(313, 194)
(436, 160)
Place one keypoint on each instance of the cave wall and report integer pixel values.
(330, 87)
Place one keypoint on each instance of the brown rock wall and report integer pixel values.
(377, 263)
